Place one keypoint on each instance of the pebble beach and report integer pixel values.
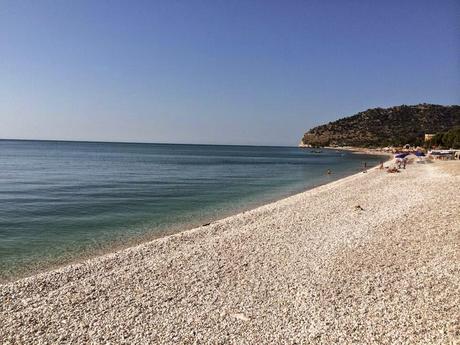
(373, 258)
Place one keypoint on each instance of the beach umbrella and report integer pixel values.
(401, 155)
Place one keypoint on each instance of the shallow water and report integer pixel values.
(61, 199)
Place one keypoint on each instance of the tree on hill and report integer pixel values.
(448, 140)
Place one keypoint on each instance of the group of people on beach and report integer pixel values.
(400, 164)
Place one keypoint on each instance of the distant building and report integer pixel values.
(428, 137)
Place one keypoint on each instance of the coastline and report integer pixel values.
(361, 150)
(354, 150)
(313, 266)
(125, 243)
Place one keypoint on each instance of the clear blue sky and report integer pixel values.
(242, 72)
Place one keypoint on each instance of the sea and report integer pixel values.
(62, 201)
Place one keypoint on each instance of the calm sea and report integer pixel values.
(59, 200)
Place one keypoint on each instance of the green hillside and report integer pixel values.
(380, 127)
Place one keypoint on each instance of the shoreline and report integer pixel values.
(361, 150)
(147, 240)
(367, 258)
(123, 244)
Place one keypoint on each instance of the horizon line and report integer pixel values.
(137, 142)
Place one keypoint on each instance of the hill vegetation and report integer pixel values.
(449, 139)
(379, 127)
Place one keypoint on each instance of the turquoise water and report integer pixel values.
(61, 199)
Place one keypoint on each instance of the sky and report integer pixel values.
(217, 72)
